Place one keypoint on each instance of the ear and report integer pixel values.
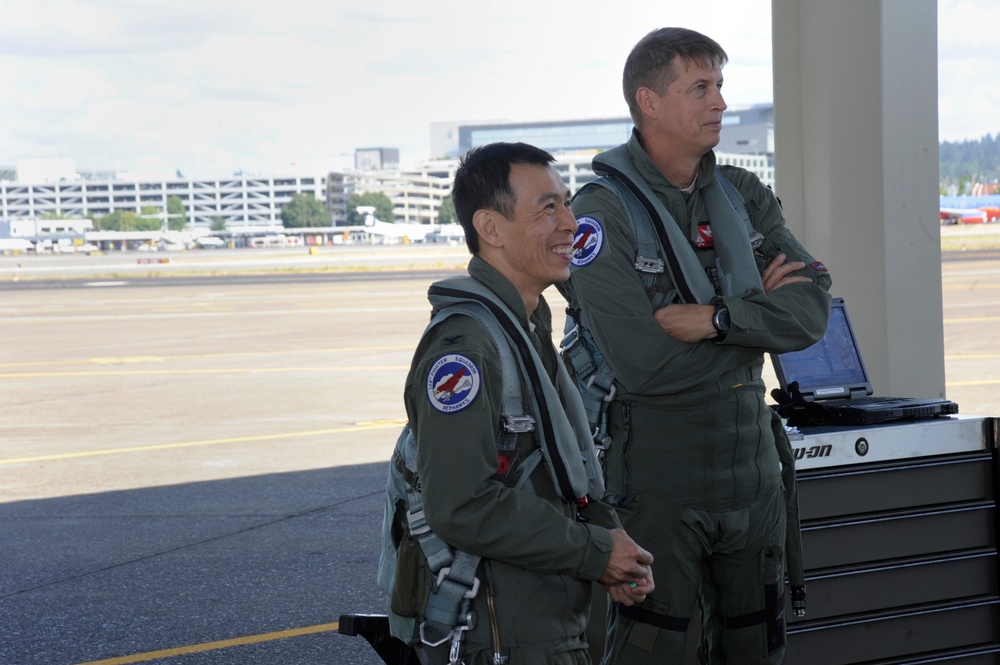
(486, 225)
(648, 101)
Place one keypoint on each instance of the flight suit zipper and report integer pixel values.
(491, 612)
(627, 436)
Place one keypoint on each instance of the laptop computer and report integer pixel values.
(827, 383)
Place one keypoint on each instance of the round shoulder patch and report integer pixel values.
(588, 241)
(453, 383)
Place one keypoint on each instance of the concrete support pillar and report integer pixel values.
(856, 158)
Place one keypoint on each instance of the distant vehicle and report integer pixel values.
(86, 248)
(209, 242)
(279, 240)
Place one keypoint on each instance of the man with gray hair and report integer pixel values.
(685, 275)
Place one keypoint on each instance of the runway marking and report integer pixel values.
(984, 382)
(357, 427)
(220, 644)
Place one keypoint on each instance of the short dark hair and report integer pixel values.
(482, 182)
(651, 63)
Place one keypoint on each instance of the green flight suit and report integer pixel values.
(693, 467)
(540, 553)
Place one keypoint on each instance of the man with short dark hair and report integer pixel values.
(525, 509)
(684, 321)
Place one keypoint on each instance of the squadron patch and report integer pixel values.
(588, 241)
(818, 265)
(453, 383)
(705, 239)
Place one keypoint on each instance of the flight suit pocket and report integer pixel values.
(413, 579)
(616, 468)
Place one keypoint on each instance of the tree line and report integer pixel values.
(304, 210)
(963, 163)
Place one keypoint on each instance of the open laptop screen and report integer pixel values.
(832, 366)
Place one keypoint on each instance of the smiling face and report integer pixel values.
(687, 117)
(534, 248)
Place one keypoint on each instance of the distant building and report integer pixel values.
(376, 159)
(238, 200)
(746, 130)
(416, 193)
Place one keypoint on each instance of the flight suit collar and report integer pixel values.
(652, 174)
(483, 272)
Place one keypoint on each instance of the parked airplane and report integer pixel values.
(965, 216)
(394, 232)
(17, 245)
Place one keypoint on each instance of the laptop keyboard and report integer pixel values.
(871, 399)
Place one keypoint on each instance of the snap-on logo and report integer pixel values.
(813, 452)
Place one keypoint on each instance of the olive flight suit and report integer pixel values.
(540, 553)
(692, 466)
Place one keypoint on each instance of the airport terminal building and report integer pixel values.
(416, 192)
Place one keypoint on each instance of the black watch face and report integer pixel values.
(724, 321)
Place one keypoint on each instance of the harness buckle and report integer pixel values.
(571, 338)
(518, 424)
(646, 264)
(471, 593)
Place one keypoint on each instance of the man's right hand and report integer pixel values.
(628, 577)
(776, 274)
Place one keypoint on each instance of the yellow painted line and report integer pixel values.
(212, 646)
(231, 370)
(984, 382)
(357, 427)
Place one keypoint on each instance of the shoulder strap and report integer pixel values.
(647, 247)
(735, 198)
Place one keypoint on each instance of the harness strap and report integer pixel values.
(647, 256)
(642, 615)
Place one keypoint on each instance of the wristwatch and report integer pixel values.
(721, 322)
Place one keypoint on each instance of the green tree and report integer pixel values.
(304, 211)
(121, 220)
(218, 223)
(447, 214)
(177, 219)
(378, 200)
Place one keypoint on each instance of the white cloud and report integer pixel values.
(219, 85)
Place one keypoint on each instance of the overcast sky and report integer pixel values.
(270, 86)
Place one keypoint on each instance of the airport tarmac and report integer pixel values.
(193, 465)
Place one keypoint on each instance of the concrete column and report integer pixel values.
(856, 158)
